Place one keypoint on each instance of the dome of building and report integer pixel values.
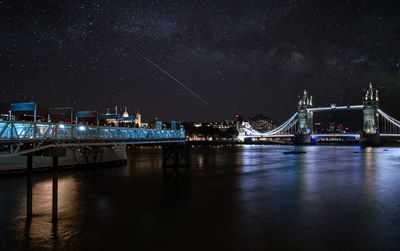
(126, 114)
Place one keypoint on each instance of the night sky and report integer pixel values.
(246, 57)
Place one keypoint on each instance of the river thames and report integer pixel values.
(245, 197)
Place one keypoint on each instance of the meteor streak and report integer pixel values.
(176, 80)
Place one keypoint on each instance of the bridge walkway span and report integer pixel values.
(18, 137)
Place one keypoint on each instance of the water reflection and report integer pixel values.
(307, 193)
(239, 198)
(144, 161)
(41, 228)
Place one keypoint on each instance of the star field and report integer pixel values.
(245, 57)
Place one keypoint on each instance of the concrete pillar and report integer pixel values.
(55, 189)
(29, 186)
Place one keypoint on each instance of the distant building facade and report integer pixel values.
(262, 123)
(123, 120)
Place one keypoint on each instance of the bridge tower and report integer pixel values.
(370, 134)
(304, 124)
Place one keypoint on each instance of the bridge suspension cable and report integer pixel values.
(285, 128)
(388, 124)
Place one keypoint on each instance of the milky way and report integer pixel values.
(245, 57)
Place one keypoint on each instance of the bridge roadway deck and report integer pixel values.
(355, 136)
(334, 108)
(312, 135)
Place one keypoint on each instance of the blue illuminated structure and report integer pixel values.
(42, 134)
(21, 107)
(31, 131)
(108, 116)
(129, 118)
(19, 137)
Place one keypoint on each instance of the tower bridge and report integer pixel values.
(299, 127)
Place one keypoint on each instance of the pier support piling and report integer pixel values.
(55, 189)
(29, 163)
(175, 158)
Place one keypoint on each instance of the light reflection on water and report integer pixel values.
(326, 190)
(239, 198)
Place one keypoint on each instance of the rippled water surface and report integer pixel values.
(238, 198)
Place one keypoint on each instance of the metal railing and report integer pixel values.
(38, 131)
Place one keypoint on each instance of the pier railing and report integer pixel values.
(38, 131)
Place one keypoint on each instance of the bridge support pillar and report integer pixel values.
(55, 153)
(29, 164)
(370, 139)
(303, 134)
(370, 135)
(55, 189)
(175, 158)
(302, 139)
